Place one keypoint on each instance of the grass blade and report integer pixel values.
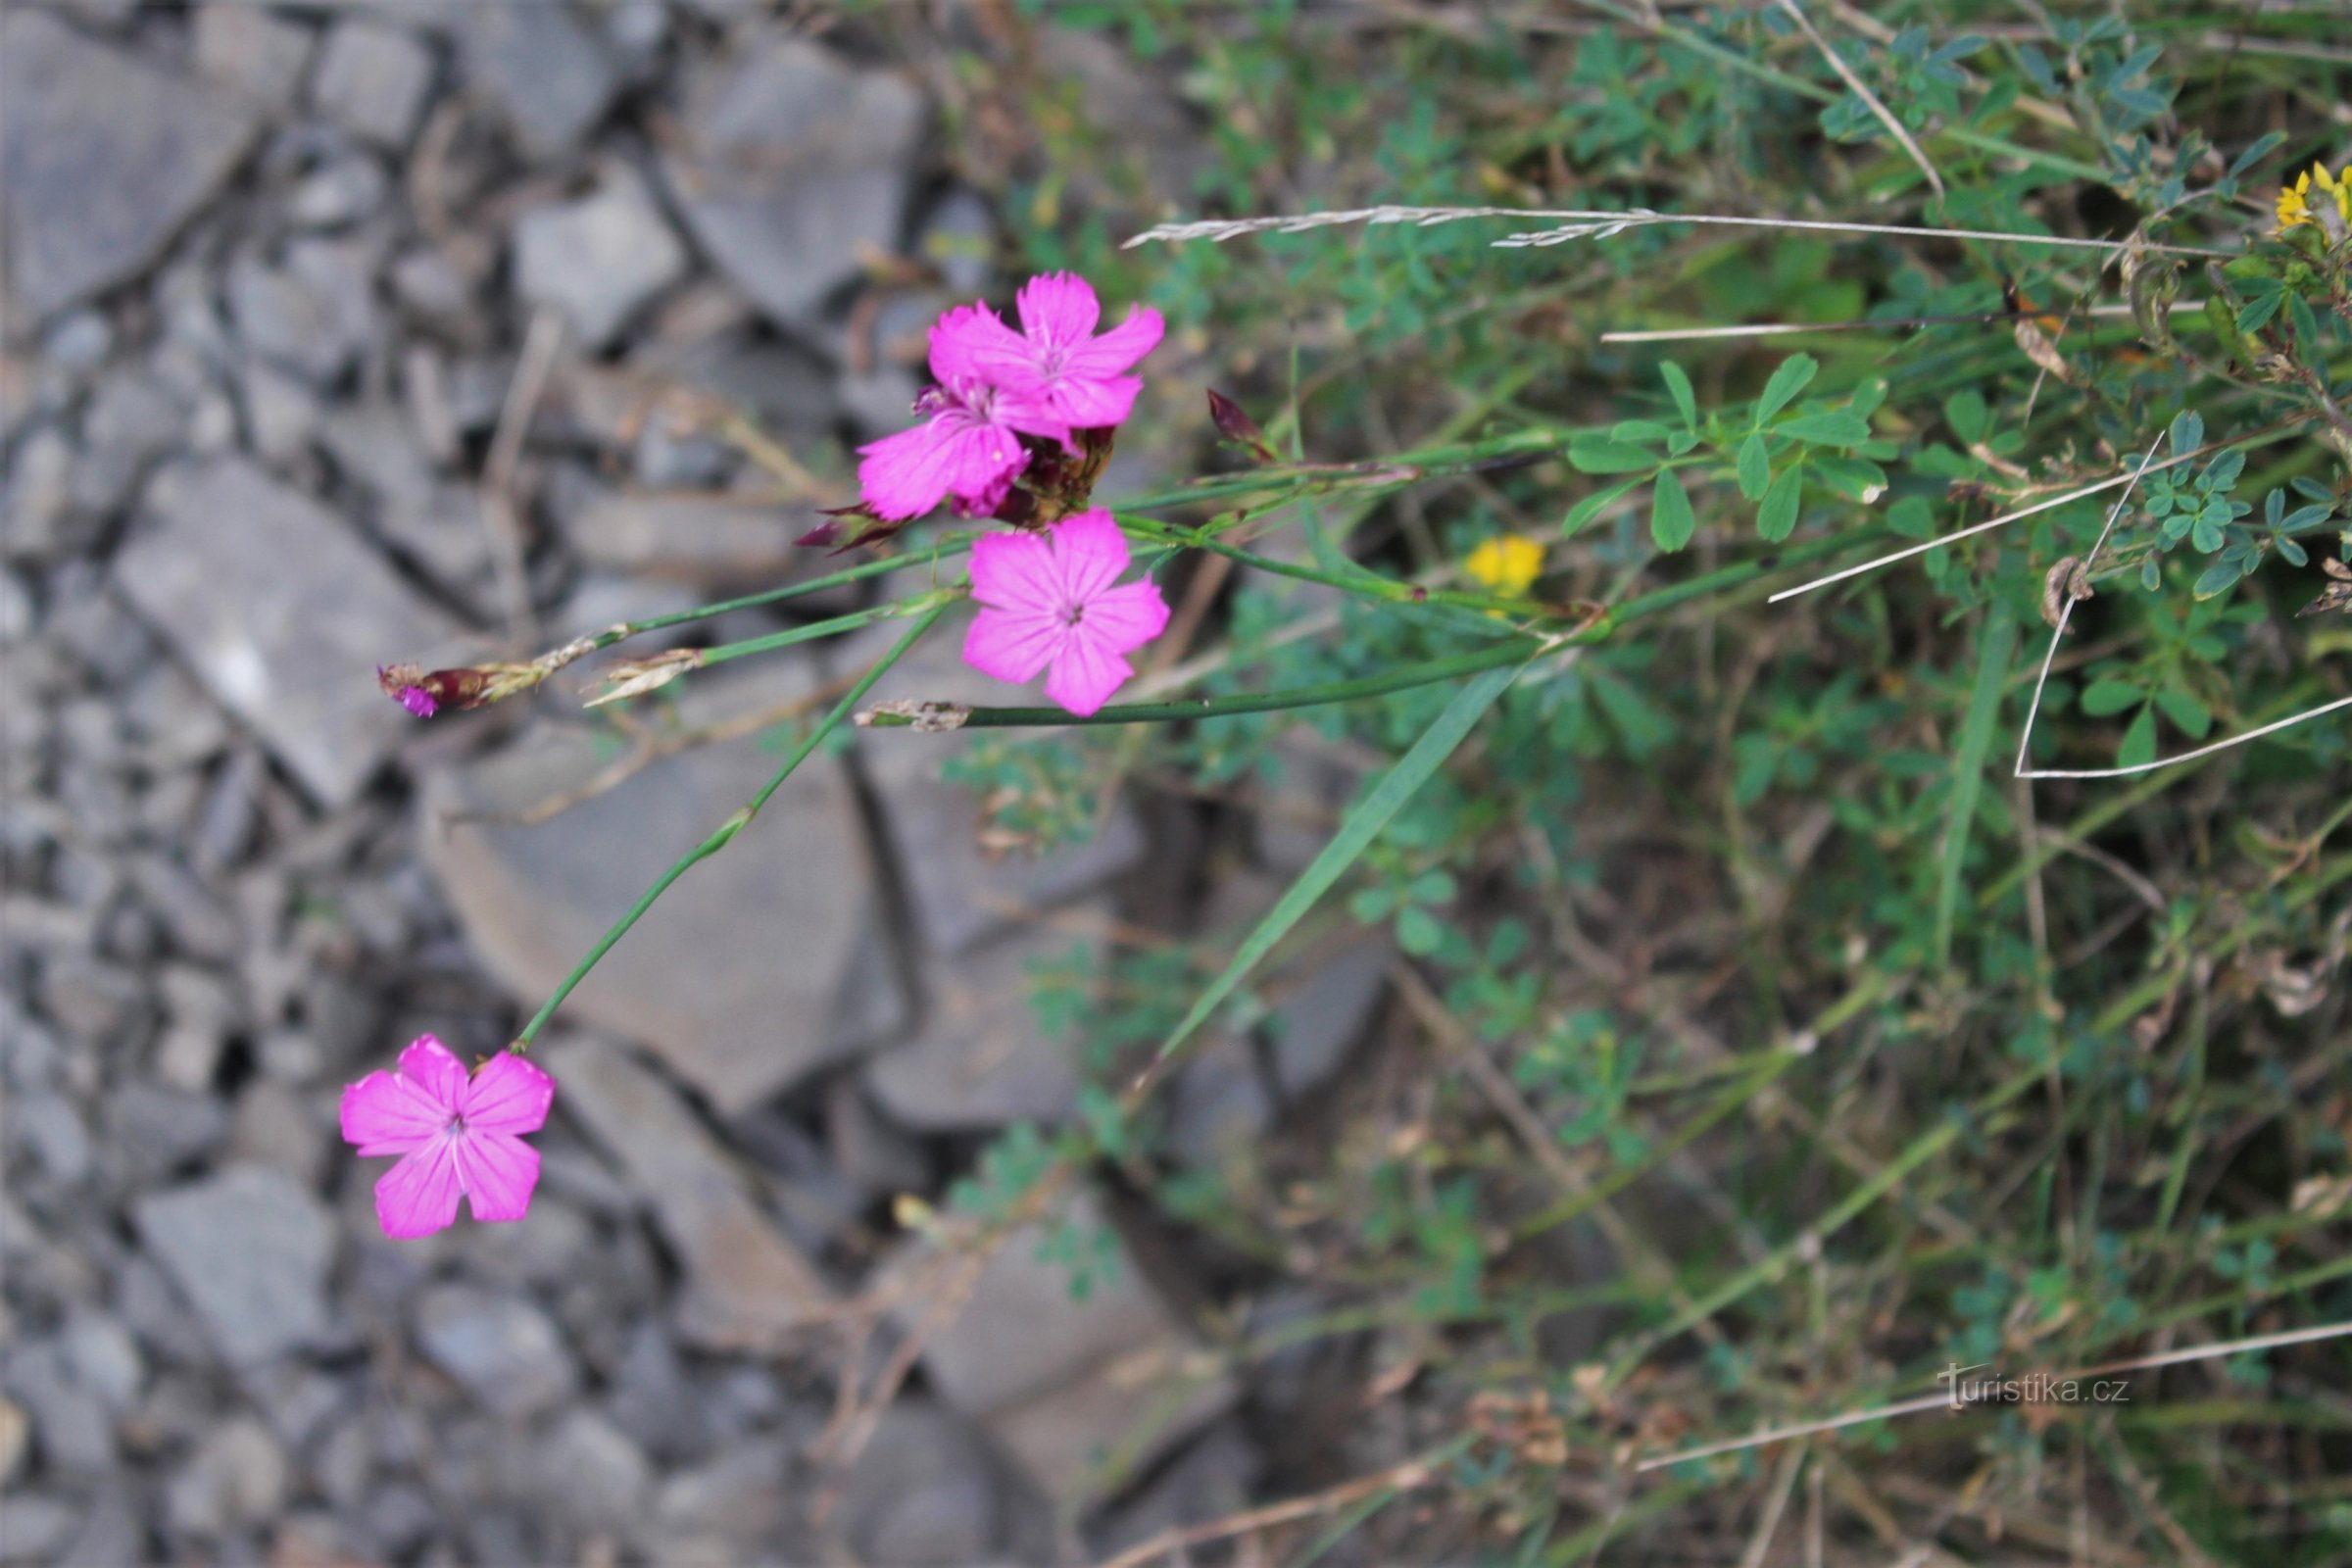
(1355, 835)
(1967, 766)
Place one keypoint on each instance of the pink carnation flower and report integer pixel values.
(1057, 366)
(454, 1133)
(968, 446)
(1051, 601)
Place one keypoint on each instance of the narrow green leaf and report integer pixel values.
(1639, 430)
(2189, 716)
(1671, 522)
(1364, 824)
(1601, 454)
(1776, 517)
(1794, 375)
(1755, 467)
(1999, 644)
(2139, 748)
(1586, 509)
(2217, 579)
(2106, 696)
(1678, 387)
(1839, 427)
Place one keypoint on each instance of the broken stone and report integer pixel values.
(538, 66)
(924, 1494)
(374, 79)
(735, 977)
(503, 1349)
(235, 1477)
(284, 618)
(793, 167)
(599, 259)
(312, 316)
(247, 50)
(746, 1285)
(1062, 1380)
(591, 1475)
(106, 160)
(249, 1247)
(981, 1059)
(707, 541)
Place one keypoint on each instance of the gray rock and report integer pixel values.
(503, 1349)
(245, 48)
(38, 1524)
(50, 1127)
(959, 237)
(80, 340)
(1059, 1381)
(590, 1475)
(437, 524)
(923, 1495)
(284, 618)
(249, 1248)
(746, 1284)
(374, 79)
(339, 192)
(1210, 1479)
(101, 1355)
(731, 1505)
(312, 316)
(132, 421)
(709, 978)
(867, 1149)
(981, 1059)
(959, 892)
(106, 159)
(152, 1131)
(72, 1430)
(792, 165)
(236, 1477)
(539, 67)
(282, 414)
(40, 495)
(708, 541)
(598, 259)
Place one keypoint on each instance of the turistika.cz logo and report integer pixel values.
(2032, 1388)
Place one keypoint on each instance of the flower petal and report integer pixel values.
(418, 1195)
(387, 1114)
(1083, 402)
(1089, 552)
(906, 474)
(497, 1173)
(1058, 309)
(434, 1069)
(1085, 675)
(971, 344)
(1124, 619)
(1118, 349)
(509, 1095)
(1016, 571)
(1014, 643)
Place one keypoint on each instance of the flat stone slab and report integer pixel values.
(746, 1284)
(794, 165)
(741, 976)
(249, 1248)
(1064, 1384)
(283, 613)
(104, 158)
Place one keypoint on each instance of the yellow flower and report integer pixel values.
(1509, 565)
(2294, 206)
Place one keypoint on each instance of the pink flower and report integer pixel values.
(967, 447)
(454, 1133)
(1056, 364)
(1050, 601)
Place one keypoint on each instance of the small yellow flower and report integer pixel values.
(1507, 565)
(2294, 205)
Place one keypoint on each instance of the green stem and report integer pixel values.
(725, 831)
(898, 610)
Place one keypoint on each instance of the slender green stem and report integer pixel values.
(726, 831)
(897, 609)
(1516, 650)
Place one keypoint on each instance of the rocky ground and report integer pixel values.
(344, 334)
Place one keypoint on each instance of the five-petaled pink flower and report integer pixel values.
(1065, 375)
(454, 1132)
(1051, 599)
